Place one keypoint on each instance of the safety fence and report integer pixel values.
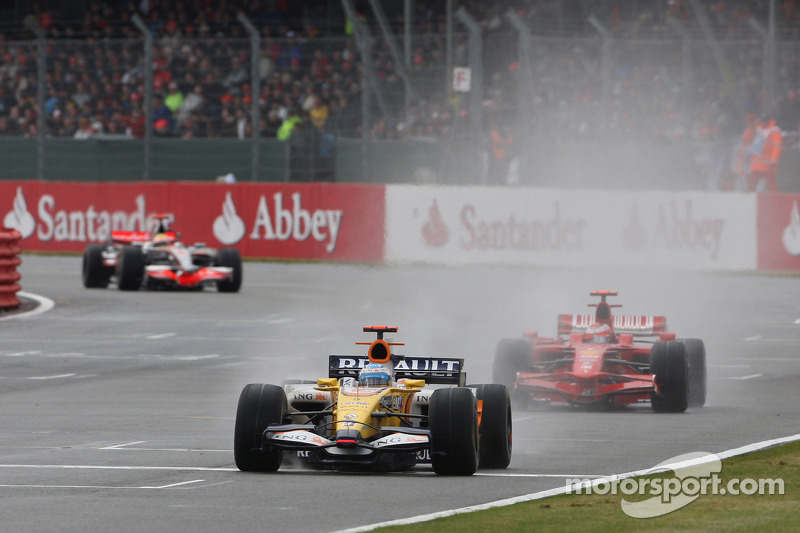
(9, 261)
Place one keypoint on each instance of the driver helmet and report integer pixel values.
(375, 375)
(163, 239)
(598, 334)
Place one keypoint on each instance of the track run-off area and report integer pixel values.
(118, 407)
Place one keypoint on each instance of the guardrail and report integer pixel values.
(9, 261)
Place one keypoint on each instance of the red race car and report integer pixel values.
(158, 260)
(594, 361)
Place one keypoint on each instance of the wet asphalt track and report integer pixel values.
(117, 409)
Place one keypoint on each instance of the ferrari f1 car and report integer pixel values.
(603, 359)
(377, 412)
(158, 260)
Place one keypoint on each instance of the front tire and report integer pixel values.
(510, 357)
(453, 420)
(130, 268)
(259, 406)
(94, 273)
(230, 257)
(669, 364)
(696, 356)
(495, 425)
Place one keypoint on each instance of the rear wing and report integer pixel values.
(636, 325)
(129, 237)
(435, 370)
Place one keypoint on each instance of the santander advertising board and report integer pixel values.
(303, 221)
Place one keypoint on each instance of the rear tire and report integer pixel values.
(94, 273)
(510, 357)
(259, 406)
(230, 257)
(130, 268)
(669, 364)
(495, 425)
(453, 420)
(696, 356)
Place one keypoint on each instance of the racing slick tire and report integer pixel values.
(511, 356)
(94, 273)
(259, 406)
(130, 268)
(230, 257)
(494, 427)
(669, 364)
(453, 421)
(696, 356)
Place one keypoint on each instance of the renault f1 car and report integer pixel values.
(349, 421)
(603, 359)
(158, 260)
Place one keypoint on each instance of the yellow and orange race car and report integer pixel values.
(377, 411)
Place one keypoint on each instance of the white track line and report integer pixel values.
(559, 490)
(45, 304)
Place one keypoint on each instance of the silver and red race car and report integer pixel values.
(158, 260)
(376, 412)
(605, 360)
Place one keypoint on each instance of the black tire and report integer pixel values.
(696, 356)
(130, 268)
(669, 364)
(94, 273)
(495, 425)
(510, 357)
(229, 257)
(259, 406)
(453, 420)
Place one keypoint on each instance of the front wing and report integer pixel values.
(569, 387)
(403, 446)
(192, 278)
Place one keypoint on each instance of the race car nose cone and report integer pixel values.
(347, 438)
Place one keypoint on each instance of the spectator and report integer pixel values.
(174, 97)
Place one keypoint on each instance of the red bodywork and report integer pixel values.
(567, 369)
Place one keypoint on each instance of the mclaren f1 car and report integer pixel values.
(377, 412)
(158, 260)
(605, 359)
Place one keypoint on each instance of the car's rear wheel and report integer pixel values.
(259, 406)
(130, 268)
(696, 356)
(453, 420)
(495, 425)
(511, 356)
(230, 257)
(668, 363)
(94, 273)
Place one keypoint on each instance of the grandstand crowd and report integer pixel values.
(311, 72)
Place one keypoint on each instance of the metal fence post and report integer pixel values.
(255, 91)
(41, 88)
(148, 95)
(476, 77)
(525, 89)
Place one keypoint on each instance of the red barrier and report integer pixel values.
(9, 261)
(317, 221)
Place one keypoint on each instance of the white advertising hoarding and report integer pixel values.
(480, 225)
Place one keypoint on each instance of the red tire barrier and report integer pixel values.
(9, 261)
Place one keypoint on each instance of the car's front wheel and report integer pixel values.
(94, 273)
(130, 268)
(230, 257)
(453, 421)
(494, 426)
(668, 363)
(259, 406)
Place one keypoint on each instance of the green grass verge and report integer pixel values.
(582, 513)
